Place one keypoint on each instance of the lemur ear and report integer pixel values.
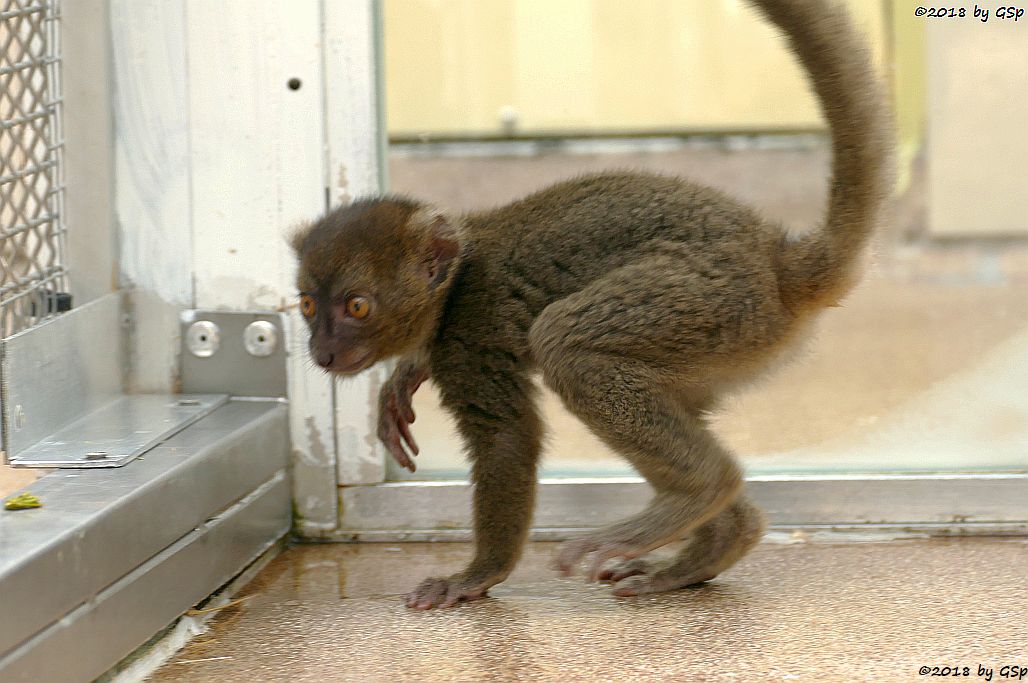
(443, 246)
(297, 236)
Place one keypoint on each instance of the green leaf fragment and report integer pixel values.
(23, 501)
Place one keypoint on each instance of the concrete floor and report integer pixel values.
(788, 612)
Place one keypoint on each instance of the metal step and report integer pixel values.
(115, 555)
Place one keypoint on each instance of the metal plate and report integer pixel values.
(59, 371)
(228, 367)
(118, 432)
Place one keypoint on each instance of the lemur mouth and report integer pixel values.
(362, 362)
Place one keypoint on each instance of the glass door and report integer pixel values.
(920, 375)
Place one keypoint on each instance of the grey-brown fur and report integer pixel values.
(639, 298)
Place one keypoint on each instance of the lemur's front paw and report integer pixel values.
(395, 416)
(396, 413)
(447, 592)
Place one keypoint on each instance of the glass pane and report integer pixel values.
(924, 367)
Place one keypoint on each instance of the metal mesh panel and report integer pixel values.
(32, 276)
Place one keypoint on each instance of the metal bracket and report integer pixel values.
(118, 432)
(61, 394)
(60, 371)
(242, 354)
(61, 397)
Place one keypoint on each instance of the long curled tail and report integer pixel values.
(818, 268)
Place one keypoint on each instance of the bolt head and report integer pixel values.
(260, 338)
(203, 338)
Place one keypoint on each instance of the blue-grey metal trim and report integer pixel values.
(969, 501)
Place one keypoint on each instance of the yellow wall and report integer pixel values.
(909, 84)
(594, 66)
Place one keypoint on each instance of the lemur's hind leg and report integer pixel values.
(709, 550)
(605, 351)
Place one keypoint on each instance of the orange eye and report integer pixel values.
(358, 306)
(308, 306)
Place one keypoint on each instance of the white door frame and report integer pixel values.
(217, 160)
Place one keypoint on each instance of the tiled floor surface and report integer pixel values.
(788, 612)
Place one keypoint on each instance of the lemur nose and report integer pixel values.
(325, 358)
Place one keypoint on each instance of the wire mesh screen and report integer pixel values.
(32, 275)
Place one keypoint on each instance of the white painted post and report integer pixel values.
(218, 159)
(88, 160)
(352, 124)
(257, 150)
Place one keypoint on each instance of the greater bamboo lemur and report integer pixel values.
(640, 299)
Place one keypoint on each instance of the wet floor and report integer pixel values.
(797, 612)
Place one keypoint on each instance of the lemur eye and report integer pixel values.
(358, 306)
(308, 306)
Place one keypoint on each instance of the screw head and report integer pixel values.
(203, 338)
(260, 338)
